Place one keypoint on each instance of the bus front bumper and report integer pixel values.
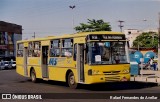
(92, 79)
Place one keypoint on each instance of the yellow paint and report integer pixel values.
(34, 60)
(79, 40)
(19, 65)
(102, 79)
(45, 43)
(19, 60)
(25, 44)
(100, 69)
(20, 69)
(37, 69)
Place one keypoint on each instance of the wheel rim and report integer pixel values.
(71, 80)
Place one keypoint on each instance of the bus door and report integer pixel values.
(44, 61)
(80, 62)
(25, 61)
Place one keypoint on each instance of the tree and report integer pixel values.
(93, 25)
(149, 39)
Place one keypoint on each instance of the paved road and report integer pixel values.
(11, 82)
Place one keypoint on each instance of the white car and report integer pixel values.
(12, 64)
(6, 63)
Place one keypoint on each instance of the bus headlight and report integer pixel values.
(125, 71)
(94, 72)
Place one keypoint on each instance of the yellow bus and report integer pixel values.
(86, 58)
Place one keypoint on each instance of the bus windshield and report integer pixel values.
(107, 53)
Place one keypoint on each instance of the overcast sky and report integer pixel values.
(54, 17)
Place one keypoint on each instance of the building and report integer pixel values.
(9, 34)
(151, 30)
(131, 35)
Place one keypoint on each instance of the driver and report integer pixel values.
(116, 58)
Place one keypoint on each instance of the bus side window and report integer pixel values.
(36, 50)
(67, 48)
(20, 48)
(75, 52)
(55, 48)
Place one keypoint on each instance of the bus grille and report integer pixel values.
(111, 72)
(112, 78)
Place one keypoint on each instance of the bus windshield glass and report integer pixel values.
(107, 53)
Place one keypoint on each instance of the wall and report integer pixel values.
(9, 34)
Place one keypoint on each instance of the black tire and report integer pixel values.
(33, 76)
(71, 81)
(10, 67)
(6, 68)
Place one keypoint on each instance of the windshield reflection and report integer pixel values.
(106, 53)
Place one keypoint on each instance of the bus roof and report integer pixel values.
(80, 34)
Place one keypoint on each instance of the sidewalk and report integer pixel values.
(150, 72)
(148, 76)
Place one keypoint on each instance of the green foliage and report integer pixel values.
(93, 25)
(146, 40)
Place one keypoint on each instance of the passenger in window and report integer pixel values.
(21, 53)
(116, 58)
(34, 53)
(96, 49)
(30, 45)
(51, 52)
(105, 53)
(36, 46)
(54, 53)
(67, 53)
(37, 53)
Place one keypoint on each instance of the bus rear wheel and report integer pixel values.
(71, 81)
(33, 76)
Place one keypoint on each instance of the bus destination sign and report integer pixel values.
(106, 37)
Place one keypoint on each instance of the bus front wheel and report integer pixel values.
(71, 81)
(33, 76)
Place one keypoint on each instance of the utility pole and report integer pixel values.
(159, 43)
(120, 25)
(72, 7)
(34, 35)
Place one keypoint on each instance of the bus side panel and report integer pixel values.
(59, 73)
(37, 70)
(59, 70)
(19, 65)
(56, 73)
(35, 62)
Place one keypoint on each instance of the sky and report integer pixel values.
(54, 17)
